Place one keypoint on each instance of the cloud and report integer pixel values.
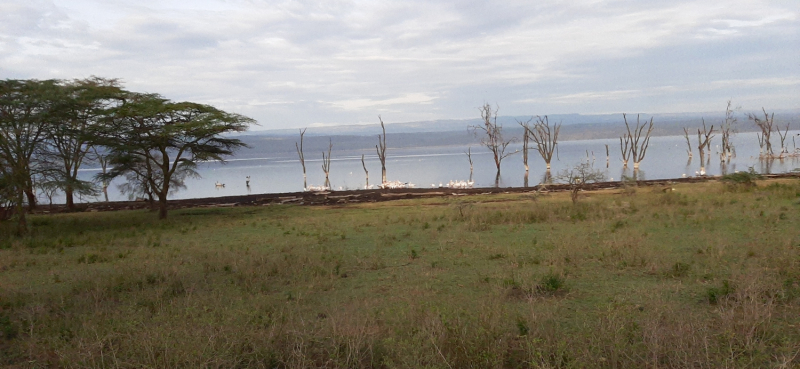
(294, 63)
(362, 104)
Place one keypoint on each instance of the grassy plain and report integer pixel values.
(702, 276)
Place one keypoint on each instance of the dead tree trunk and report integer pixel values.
(366, 172)
(638, 144)
(302, 157)
(766, 129)
(703, 142)
(624, 147)
(545, 137)
(492, 137)
(728, 129)
(381, 148)
(525, 140)
(688, 143)
(326, 165)
(469, 157)
(784, 149)
(608, 157)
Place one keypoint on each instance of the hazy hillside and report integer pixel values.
(457, 132)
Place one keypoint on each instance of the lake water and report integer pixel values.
(666, 158)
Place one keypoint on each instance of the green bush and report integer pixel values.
(742, 180)
(714, 294)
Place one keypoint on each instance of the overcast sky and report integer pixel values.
(300, 63)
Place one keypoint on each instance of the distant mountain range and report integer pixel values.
(457, 132)
(446, 125)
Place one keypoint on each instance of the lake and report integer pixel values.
(666, 158)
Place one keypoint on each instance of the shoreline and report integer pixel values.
(362, 196)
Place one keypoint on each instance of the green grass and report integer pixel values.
(704, 276)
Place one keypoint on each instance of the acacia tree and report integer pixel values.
(492, 136)
(155, 138)
(25, 107)
(577, 177)
(81, 105)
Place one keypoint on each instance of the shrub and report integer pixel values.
(679, 269)
(714, 294)
(741, 180)
(551, 283)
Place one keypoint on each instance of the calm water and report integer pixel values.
(666, 158)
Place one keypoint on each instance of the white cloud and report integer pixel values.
(293, 63)
(362, 104)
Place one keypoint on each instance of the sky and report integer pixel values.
(291, 64)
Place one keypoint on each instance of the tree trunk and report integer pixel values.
(162, 207)
(22, 223)
(69, 198)
(105, 191)
(31, 199)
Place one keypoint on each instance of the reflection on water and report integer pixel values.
(431, 166)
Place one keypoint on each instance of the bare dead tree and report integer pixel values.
(381, 148)
(703, 142)
(525, 139)
(765, 126)
(366, 172)
(728, 129)
(103, 161)
(469, 157)
(688, 143)
(302, 156)
(638, 144)
(784, 149)
(624, 147)
(545, 137)
(326, 164)
(492, 136)
(608, 157)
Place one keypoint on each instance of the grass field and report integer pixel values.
(706, 276)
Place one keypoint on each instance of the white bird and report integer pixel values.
(683, 175)
(219, 185)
